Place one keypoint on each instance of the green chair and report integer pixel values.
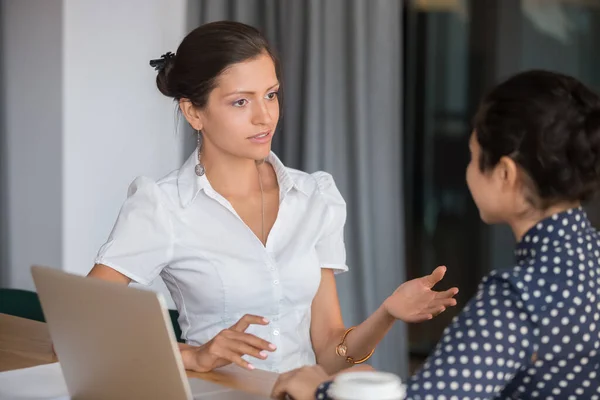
(174, 317)
(26, 304)
(21, 303)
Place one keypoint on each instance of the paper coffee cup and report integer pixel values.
(367, 385)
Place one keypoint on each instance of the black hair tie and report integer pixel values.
(160, 63)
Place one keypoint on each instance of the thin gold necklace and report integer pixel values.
(262, 202)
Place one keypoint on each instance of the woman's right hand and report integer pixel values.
(228, 347)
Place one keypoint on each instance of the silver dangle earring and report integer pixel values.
(200, 171)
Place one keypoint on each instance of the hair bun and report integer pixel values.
(163, 65)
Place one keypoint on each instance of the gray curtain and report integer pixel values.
(4, 256)
(342, 114)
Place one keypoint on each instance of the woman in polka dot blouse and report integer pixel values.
(533, 330)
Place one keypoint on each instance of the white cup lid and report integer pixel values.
(367, 385)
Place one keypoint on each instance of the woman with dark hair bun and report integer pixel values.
(247, 247)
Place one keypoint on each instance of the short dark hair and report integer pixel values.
(549, 124)
(204, 54)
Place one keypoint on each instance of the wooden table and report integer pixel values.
(26, 343)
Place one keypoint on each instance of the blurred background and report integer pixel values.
(380, 93)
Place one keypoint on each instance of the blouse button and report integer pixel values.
(276, 332)
(276, 282)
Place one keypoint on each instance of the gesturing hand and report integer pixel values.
(415, 301)
(229, 346)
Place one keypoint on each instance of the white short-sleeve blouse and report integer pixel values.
(217, 270)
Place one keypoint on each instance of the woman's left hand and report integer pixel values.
(299, 384)
(415, 301)
(302, 383)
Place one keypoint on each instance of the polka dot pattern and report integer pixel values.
(321, 393)
(530, 332)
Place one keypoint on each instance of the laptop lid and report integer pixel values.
(112, 341)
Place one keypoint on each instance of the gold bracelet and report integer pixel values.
(342, 350)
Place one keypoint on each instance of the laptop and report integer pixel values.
(117, 342)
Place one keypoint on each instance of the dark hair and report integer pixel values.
(549, 124)
(204, 54)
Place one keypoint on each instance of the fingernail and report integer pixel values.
(272, 346)
(250, 366)
(263, 354)
(266, 321)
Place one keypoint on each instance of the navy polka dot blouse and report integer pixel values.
(532, 331)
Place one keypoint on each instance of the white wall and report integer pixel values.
(111, 125)
(32, 125)
(116, 123)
